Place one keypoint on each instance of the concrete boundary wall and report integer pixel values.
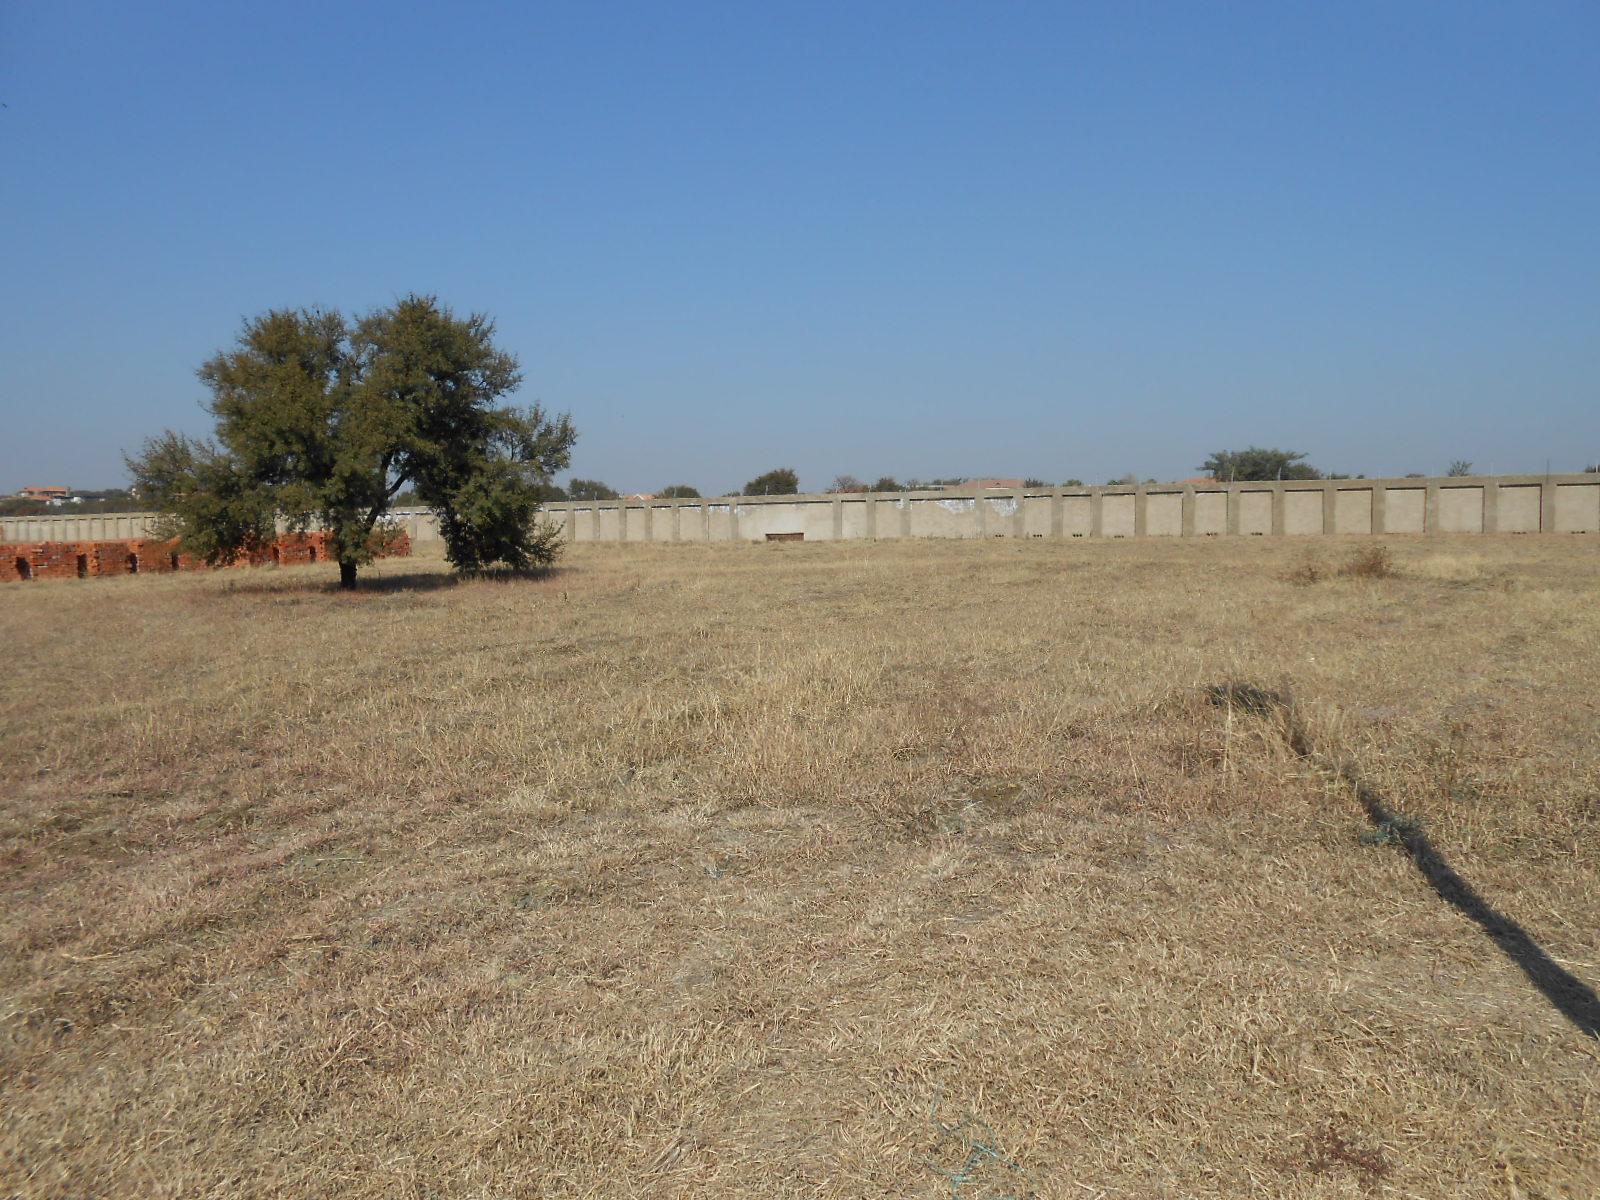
(1295, 508)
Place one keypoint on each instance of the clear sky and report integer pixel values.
(926, 239)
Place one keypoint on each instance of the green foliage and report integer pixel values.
(589, 489)
(887, 483)
(1459, 468)
(1255, 463)
(1072, 483)
(323, 423)
(1034, 483)
(780, 482)
(847, 483)
(679, 491)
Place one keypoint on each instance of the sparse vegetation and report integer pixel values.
(712, 871)
(1372, 561)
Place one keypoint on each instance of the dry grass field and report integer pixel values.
(916, 870)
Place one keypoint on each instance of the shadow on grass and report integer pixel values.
(1568, 994)
(380, 585)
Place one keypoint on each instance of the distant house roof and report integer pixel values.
(640, 496)
(36, 491)
(993, 483)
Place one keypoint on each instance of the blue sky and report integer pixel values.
(919, 239)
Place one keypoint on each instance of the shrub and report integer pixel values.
(1370, 562)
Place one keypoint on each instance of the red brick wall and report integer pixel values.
(72, 560)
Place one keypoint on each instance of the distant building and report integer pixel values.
(49, 495)
(640, 496)
(999, 485)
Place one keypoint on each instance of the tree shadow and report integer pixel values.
(1568, 994)
(380, 585)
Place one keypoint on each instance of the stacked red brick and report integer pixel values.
(82, 560)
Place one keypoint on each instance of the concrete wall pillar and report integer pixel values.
(1141, 511)
(1019, 526)
(982, 510)
(1491, 506)
(1187, 525)
(1277, 509)
(1233, 508)
(838, 518)
(1430, 508)
(1380, 504)
(1097, 513)
(1547, 506)
(1058, 510)
(872, 516)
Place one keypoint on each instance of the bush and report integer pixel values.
(1370, 562)
(1306, 572)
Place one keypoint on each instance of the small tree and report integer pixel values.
(1034, 483)
(679, 491)
(887, 483)
(1254, 464)
(1459, 468)
(589, 489)
(321, 422)
(780, 482)
(1072, 483)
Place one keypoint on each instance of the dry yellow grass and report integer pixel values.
(707, 871)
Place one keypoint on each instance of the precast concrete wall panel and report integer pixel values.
(952, 518)
(1577, 508)
(1518, 509)
(1036, 516)
(1163, 514)
(853, 518)
(999, 515)
(1077, 516)
(633, 523)
(1116, 515)
(1405, 510)
(1352, 511)
(1210, 513)
(1255, 512)
(1507, 504)
(691, 523)
(1302, 512)
(891, 517)
(1461, 510)
(813, 519)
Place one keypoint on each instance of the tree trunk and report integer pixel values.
(347, 574)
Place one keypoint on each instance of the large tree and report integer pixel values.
(322, 423)
(780, 482)
(1255, 463)
(590, 489)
